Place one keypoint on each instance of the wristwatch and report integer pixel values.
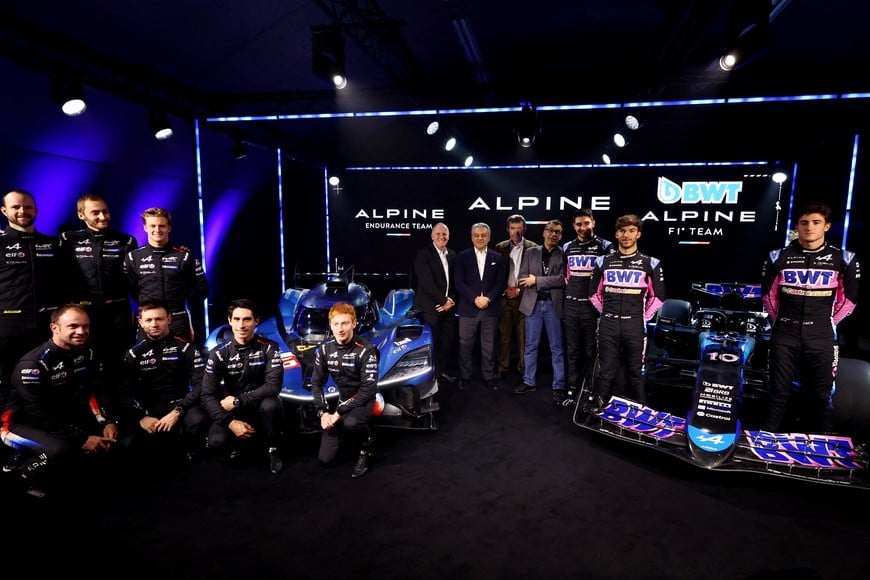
(320, 412)
(236, 402)
(178, 409)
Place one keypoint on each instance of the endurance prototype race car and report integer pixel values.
(706, 382)
(406, 374)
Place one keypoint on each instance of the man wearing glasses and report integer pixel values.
(542, 277)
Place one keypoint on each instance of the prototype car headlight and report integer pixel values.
(415, 363)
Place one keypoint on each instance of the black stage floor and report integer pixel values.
(507, 487)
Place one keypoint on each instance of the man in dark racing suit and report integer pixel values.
(627, 289)
(352, 361)
(808, 288)
(581, 318)
(60, 408)
(29, 283)
(93, 259)
(162, 388)
(242, 384)
(160, 271)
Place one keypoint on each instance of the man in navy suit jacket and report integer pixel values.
(481, 277)
(435, 297)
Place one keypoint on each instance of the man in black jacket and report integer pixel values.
(434, 296)
(162, 387)
(29, 283)
(353, 363)
(242, 385)
(160, 271)
(60, 409)
(93, 260)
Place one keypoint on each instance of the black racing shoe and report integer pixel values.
(598, 405)
(362, 465)
(14, 461)
(558, 396)
(570, 398)
(524, 388)
(275, 463)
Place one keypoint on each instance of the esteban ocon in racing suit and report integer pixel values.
(627, 289)
(352, 361)
(808, 288)
(581, 318)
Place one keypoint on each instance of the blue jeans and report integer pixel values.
(544, 316)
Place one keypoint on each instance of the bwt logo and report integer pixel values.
(709, 192)
(823, 278)
(631, 277)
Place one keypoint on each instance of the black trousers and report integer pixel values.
(354, 425)
(581, 342)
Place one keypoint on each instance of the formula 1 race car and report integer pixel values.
(706, 383)
(406, 377)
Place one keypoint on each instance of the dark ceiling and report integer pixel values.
(215, 58)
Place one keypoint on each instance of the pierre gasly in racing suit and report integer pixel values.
(808, 288)
(627, 289)
(581, 318)
(352, 361)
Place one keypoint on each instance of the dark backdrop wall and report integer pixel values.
(110, 151)
(695, 218)
(375, 220)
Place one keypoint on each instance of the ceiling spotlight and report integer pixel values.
(240, 151)
(727, 61)
(779, 177)
(632, 123)
(159, 125)
(605, 158)
(469, 160)
(527, 126)
(450, 144)
(620, 139)
(327, 55)
(432, 128)
(69, 96)
(334, 180)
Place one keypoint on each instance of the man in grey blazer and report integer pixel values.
(542, 277)
(481, 277)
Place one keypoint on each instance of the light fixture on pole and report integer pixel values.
(748, 30)
(327, 55)
(528, 127)
(69, 96)
(240, 150)
(159, 124)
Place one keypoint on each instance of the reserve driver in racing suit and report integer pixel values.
(352, 361)
(808, 287)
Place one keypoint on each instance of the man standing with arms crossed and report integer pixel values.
(808, 288)
(581, 318)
